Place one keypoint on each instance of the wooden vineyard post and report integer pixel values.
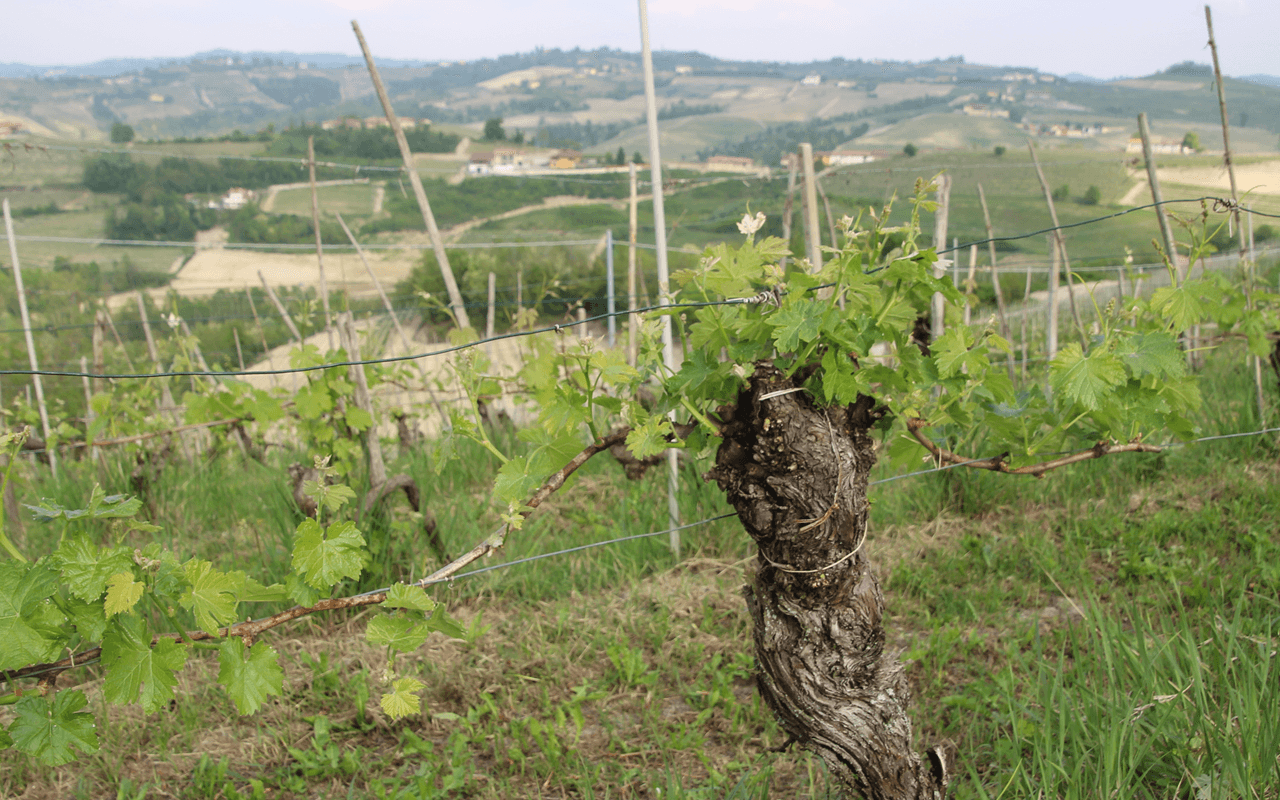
(437, 244)
(1153, 181)
(372, 444)
(1051, 331)
(812, 237)
(1060, 242)
(235, 334)
(26, 330)
(664, 285)
(271, 361)
(168, 406)
(831, 220)
(315, 223)
(488, 322)
(1250, 274)
(611, 303)
(395, 320)
(633, 335)
(787, 210)
(111, 323)
(938, 325)
(284, 315)
(995, 271)
(969, 283)
(89, 417)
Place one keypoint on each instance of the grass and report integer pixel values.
(1107, 631)
(351, 201)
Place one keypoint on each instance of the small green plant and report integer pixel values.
(1062, 192)
(910, 150)
(1092, 196)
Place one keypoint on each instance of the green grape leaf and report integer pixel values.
(28, 635)
(134, 665)
(51, 729)
(299, 592)
(312, 402)
(85, 567)
(442, 622)
(89, 619)
(249, 681)
(402, 595)
(841, 383)
(123, 593)
(796, 324)
(325, 557)
(950, 350)
(649, 437)
(212, 596)
(1180, 306)
(254, 592)
(1154, 353)
(515, 482)
(1086, 380)
(358, 419)
(402, 700)
(401, 633)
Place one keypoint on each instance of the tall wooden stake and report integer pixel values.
(633, 335)
(488, 321)
(26, 330)
(372, 444)
(235, 334)
(284, 315)
(395, 320)
(271, 362)
(995, 272)
(812, 237)
(831, 220)
(611, 303)
(1153, 180)
(969, 283)
(1061, 243)
(1051, 340)
(664, 285)
(437, 244)
(315, 223)
(937, 309)
(787, 211)
(166, 395)
(89, 416)
(1235, 196)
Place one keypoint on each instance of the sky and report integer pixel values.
(1101, 38)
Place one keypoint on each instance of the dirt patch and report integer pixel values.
(1259, 178)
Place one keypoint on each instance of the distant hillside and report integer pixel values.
(592, 100)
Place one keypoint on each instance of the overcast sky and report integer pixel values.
(1102, 38)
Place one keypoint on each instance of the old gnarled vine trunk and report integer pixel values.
(797, 475)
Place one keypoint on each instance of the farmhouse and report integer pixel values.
(731, 163)
(844, 158)
(565, 159)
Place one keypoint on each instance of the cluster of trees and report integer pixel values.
(142, 183)
(167, 220)
(680, 109)
(579, 135)
(483, 198)
(252, 225)
(377, 144)
(767, 146)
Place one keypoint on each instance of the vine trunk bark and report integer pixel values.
(797, 475)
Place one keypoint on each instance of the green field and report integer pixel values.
(349, 201)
